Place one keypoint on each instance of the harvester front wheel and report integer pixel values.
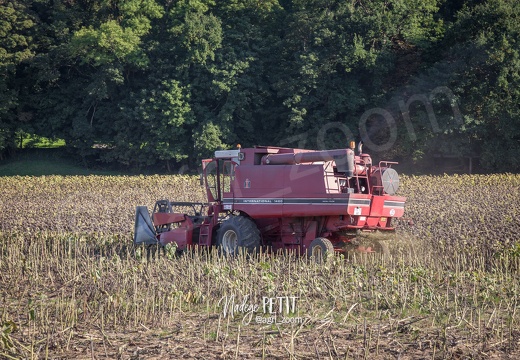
(238, 232)
(320, 250)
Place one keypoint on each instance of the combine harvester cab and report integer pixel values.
(310, 202)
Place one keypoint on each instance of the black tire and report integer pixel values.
(321, 250)
(238, 232)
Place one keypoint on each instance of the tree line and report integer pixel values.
(165, 82)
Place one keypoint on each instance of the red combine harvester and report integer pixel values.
(313, 202)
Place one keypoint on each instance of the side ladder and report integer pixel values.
(204, 235)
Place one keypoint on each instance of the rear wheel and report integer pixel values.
(320, 250)
(238, 232)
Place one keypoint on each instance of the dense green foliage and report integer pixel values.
(145, 82)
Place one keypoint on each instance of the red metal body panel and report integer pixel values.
(359, 204)
(393, 206)
(181, 236)
(167, 218)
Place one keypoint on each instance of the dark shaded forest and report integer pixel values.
(162, 83)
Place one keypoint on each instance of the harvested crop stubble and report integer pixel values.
(86, 204)
(72, 286)
(464, 213)
(83, 296)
